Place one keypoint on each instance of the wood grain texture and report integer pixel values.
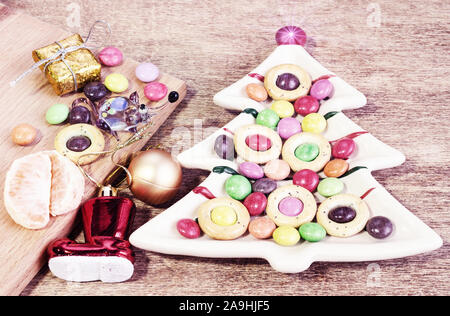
(402, 66)
(23, 251)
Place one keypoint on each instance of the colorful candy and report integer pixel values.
(283, 108)
(256, 203)
(256, 92)
(290, 206)
(224, 147)
(79, 115)
(314, 123)
(264, 185)
(147, 72)
(307, 152)
(343, 148)
(262, 227)
(95, 91)
(251, 170)
(342, 215)
(307, 179)
(286, 236)
(268, 118)
(287, 81)
(312, 232)
(188, 228)
(288, 127)
(336, 168)
(117, 83)
(258, 142)
(238, 187)
(277, 170)
(379, 227)
(306, 105)
(155, 91)
(223, 216)
(330, 186)
(321, 89)
(110, 56)
(57, 114)
(24, 134)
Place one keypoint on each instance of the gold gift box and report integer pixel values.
(83, 63)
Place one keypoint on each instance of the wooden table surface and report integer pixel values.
(396, 53)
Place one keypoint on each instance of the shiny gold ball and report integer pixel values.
(156, 176)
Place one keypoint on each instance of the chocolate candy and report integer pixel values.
(258, 142)
(336, 168)
(95, 91)
(268, 118)
(78, 143)
(287, 81)
(306, 105)
(342, 215)
(173, 97)
(261, 227)
(256, 203)
(288, 127)
(256, 92)
(379, 227)
(188, 228)
(264, 185)
(343, 148)
(330, 186)
(312, 232)
(79, 115)
(224, 147)
(277, 170)
(238, 187)
(307, 179)
(321, 89)
(251, 170)
(110, 56)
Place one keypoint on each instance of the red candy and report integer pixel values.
(155, 91)
(306, 105)
(343, 148)
(188, 228)
(306, 178)
(256, 203)
(258, 142)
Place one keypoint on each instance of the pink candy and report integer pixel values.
(256, 203)
(343, 148)
(251, 170)
(307, 179)
(288, 127)
(306, 105)
(321, 89)
(155, 91)
(290, 206)
(110, 56)
(147, 72)
(188, 228)
(258, 142)
(277, 169)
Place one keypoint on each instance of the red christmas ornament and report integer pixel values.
(291, 35)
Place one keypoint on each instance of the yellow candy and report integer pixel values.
(223, 216)
(286, 236)
(283, 108)
(314, 123)
(116, 83)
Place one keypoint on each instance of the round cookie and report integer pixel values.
(85, 138)
(343, 229)
(291, 145)
(259, 157)
(295, 191)
(219, 232)
(275, 77)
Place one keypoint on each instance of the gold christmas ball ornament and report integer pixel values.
(156, 176)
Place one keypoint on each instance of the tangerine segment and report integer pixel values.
(27, 190)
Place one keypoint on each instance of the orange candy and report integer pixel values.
(336, 168)
(262, 227)
(256, 92)
(24, 134)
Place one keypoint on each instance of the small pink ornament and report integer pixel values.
(155, 91)
(288, 127)
(147, 72)
(291, 35)
(321, 89)
(110, 56)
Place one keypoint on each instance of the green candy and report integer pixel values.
(312, 232)
(307, 152)
(330, 186)
(238, 187)
(57, 114)
(268, 118)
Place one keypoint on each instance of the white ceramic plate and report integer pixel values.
(410, 237)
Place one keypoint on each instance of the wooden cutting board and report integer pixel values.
(22, 251)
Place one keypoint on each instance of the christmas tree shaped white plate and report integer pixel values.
(410, 235)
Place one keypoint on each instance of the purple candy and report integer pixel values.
(264, 185)
(379, 227)
(321, 89)
(290, 206)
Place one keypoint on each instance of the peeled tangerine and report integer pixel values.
(41, 184)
